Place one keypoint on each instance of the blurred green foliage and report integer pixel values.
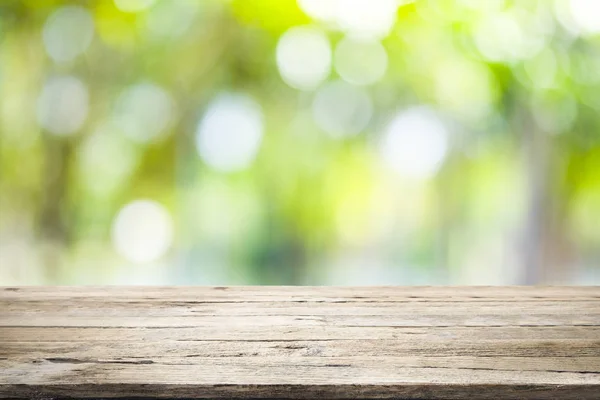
(96, 114)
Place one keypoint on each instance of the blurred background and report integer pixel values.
(309, 142)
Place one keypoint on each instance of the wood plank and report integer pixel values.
(300, 342)
(267, 321)
(175, 308)
(301, 293)
(527, 348)
(254, 333)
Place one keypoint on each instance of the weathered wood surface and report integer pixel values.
(300, 342)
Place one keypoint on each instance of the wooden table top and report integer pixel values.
(300, 342)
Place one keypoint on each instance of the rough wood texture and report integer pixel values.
(300, 342)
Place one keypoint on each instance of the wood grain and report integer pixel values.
(300, 342)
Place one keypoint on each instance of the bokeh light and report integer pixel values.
(360, 62)
(304, 57)
(229, 135)
(341, 109)
(362, 18)
(142, 231)
(324, 10)
(62, 106)
(504, 37)
(366, 18)
(133, 6)
(586, 15)
(465, 88)
(171, 19)
(106, 160)
(542, 70)
(68, 32)
(554, 113)
(415, 143)
(143, 112)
